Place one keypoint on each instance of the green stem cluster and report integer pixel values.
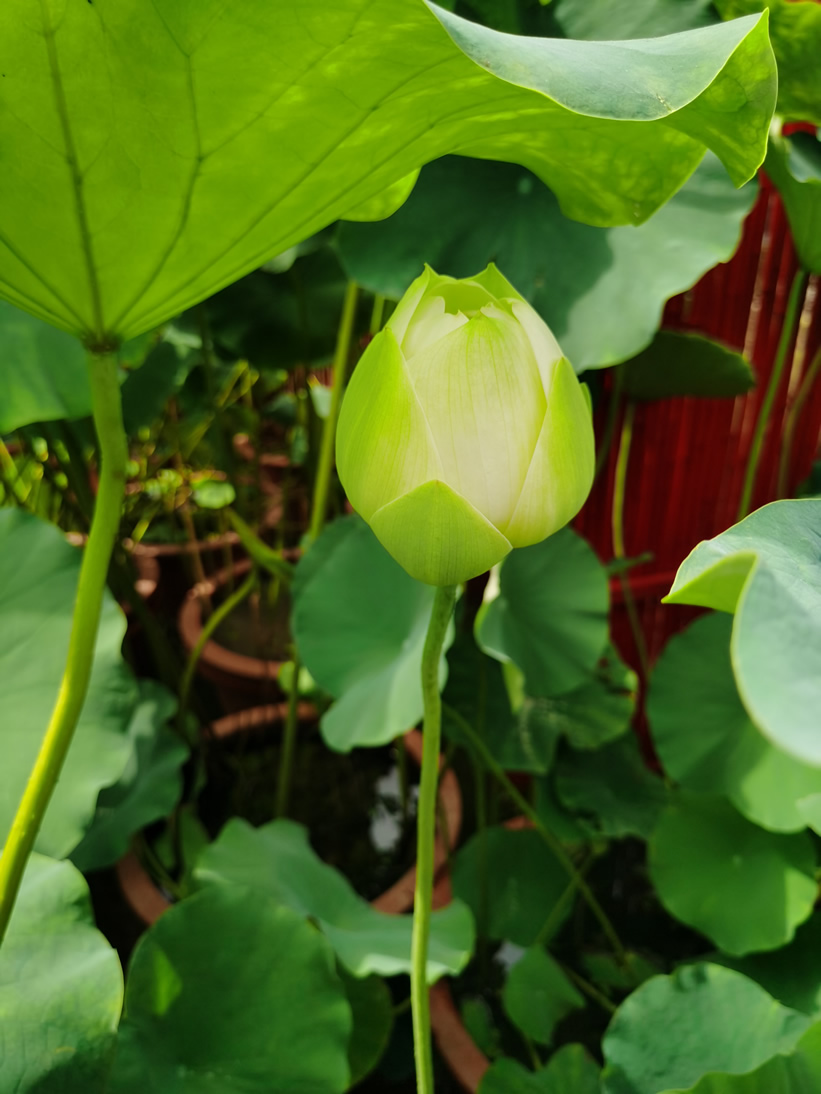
(791, 317)
(215, 618)
(617, 522)
(319, 510)
(577, 880)
(322, 483)
(113, 449)
(792, 419)
(425, 835)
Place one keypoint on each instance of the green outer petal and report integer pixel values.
(561, 471)
(437, 536)
(384, 448)
(492, 279)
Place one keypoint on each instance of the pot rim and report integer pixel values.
(148, 902)
(189, 625)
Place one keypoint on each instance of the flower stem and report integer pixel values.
(212, 622)
(791, 422)
(788, 329)
(10, 476)
(521, 802)
(322, 483)
(377, 313)
(113, 446)
(286, 756)
(617, 521)
(425, 835)
(610, 422)
(319, 509)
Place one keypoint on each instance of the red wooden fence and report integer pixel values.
(688, 456)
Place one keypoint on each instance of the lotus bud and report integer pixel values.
(464, 431)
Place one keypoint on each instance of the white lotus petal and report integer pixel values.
(545, 347)
(481, 393)
(430, 324)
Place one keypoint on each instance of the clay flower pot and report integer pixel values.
(466, 1061)
(147, 568)
(274, 464)
(148, 902)
(174, 563)
(241, 681)
(148, 575)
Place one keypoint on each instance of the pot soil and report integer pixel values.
(248, 649)
(147, 900)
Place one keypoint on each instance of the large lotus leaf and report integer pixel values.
(372, 1009)
(547, 614)
(792, 975)
(766, 569)
(794, 164)
(612, 19)
(44, 375)
(148, 789)
(569, 1071)
(153, 153)
(360, 622)
(591, 715)
(745, 888)
(602, 298)
(231, 993)
(537, 995)
(61, 988)
(704, 736)
(524, 741)
(277, 860)
(510, 880)
(677, 364)
(795, 31)
(598, 711)
(38, 580)
(610, 792)
(795, 1072)
(704, 1018)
